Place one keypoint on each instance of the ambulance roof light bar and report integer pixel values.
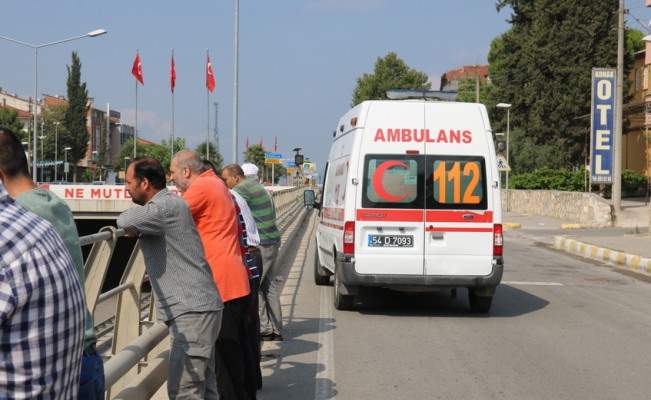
(403, 94)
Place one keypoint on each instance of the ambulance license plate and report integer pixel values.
(390, 241)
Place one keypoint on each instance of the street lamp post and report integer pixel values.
(508, 126)
(42, 160)
(125, 168)
(56, 153)
(89, 34)
(65, 166)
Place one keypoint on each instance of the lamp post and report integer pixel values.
(89, 34)
(125, 168)
(508, 126)
(65, 166)
(56, 153)
(42, 160)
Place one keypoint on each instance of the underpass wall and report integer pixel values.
(586, 209)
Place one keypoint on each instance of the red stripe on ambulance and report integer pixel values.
(390, 215)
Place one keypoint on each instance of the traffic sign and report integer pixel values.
(291, 170)
(291, 164)
(297, 176)
(272, 158)
(93, 165)
(501, 163)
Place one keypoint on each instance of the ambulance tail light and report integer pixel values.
(498, 240)
(349, 237)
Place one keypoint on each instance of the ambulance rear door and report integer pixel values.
(459, 218)
(390, 205)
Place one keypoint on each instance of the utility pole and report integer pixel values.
(619, 97)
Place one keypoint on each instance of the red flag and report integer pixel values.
(172, 74)
(260, 141)
(276, 144)
(137, 70)
(247, 142)
(210, 78)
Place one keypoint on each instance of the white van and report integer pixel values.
(411, 200)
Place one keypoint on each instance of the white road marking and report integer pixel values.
(533, 283)
(325, 360)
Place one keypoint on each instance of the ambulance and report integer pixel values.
(411, 200)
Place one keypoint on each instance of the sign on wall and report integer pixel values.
(602, 125)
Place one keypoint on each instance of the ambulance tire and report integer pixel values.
(319, 279)
(479, 304)
(342, 302)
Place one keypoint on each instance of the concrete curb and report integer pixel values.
(629, 261)
(511, 225)
(573, 226)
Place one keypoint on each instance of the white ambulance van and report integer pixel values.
(411, 200)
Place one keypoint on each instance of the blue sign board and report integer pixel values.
(273, 155)
(291, 164)
(602, 129)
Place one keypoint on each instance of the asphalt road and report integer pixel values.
(561, 327)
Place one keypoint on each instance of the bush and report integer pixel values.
(546, 178)
(572, 181)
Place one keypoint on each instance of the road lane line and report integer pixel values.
(533, 283)
(325, 360)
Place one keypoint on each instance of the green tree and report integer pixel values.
(76, 114)
(542, 66)
(160, 152)
(467, 91)
(255, 155)
(9, 118)
(215, 157)
(634, 41)
(390, 72)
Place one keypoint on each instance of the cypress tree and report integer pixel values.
(76, 114)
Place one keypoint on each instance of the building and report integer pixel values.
(450, 79)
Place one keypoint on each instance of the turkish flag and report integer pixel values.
(210, 78)
(137, 70)
(276, 144)
(247, 142)
(172, 74)
(260, 141)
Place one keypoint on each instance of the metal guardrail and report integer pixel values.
(136, 365)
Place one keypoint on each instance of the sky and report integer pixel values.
(298, 59)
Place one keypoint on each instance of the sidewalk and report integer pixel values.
(628, 246)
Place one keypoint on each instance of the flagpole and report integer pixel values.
(207, 116)
(135, 132)
(172, 142)
(235, 78)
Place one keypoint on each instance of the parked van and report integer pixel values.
(411, 200)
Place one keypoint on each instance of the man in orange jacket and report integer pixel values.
(214, 214)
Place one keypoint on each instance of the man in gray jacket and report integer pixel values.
(187, 299)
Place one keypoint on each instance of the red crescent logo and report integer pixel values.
(377, 181)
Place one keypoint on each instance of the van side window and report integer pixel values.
(456, 182)
(393, 181)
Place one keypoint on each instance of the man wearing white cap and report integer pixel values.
(244, 181)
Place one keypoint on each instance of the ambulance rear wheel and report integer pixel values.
(342, 302)
(479, 304)
(319, 279)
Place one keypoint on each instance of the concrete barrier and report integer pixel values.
(586, 209)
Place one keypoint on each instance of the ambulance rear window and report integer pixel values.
(456, 182)
(393, 181)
